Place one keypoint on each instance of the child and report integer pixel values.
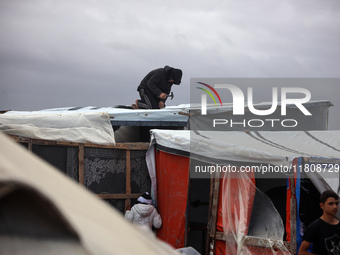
(144, 213)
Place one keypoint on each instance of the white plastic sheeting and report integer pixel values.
(277, 148)
(70, 127)
(102, 230)
(170, 113)
(240, 196)
(248, 212)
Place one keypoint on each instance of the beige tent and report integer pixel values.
(44, 212)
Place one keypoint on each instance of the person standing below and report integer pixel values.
(156, 86)
(144, 213)
(324, 233)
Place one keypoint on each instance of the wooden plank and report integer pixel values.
(30, 145)
(119, 196)
(187, 229)
(185, 113)
(287, 245)
(81, 167)
(128, 179)
(293, 211)
(54, 143)
(123, 146)
(128, 172)
(220, 236)
(256, 241)
(214, 211)
(211, 195)
(262, 242)
(215, 197)
(19, 139)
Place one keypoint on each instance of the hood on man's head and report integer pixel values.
(176, 75)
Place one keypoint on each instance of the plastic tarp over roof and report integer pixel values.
(277, 148)
(60, 126)
(121, 115)
(101, 229)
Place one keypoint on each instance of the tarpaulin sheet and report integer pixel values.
(120, 114)
(102, 230)
(67, 127)
(172, 193)
(277, 148)
(234, 211)
(244, 210)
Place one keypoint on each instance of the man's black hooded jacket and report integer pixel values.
(157, 81)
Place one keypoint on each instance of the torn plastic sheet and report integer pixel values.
(251, 223)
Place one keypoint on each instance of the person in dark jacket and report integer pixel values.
(156, 86)
(324, 232)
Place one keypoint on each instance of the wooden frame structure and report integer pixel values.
(214, 235)
(128, 147)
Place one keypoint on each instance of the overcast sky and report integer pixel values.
(58, 53)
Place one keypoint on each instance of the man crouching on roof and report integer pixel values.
(144, 213)
(156, 86)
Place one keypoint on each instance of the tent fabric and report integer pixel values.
(227, 121)
(276, 148)
(172, 186)
(237, 205)
(38, 228)
(101, 229)
(68, 127)
(235, 209)
(238, 147)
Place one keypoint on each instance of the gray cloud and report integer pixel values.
(79, 53)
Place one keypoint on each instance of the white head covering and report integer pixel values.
(145, 198)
